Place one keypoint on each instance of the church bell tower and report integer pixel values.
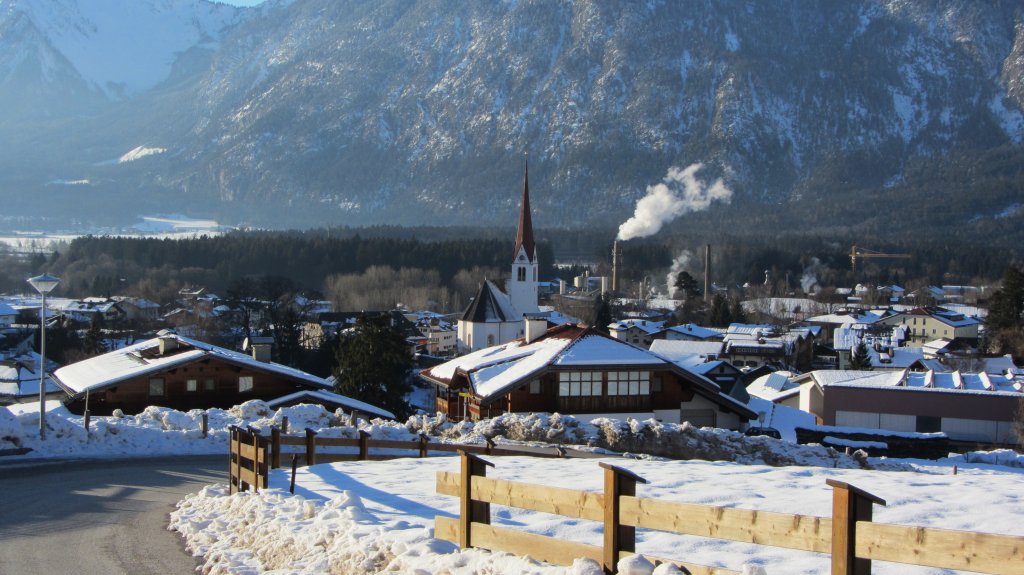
(522, 286)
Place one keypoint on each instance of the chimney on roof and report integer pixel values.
(259, 347)
(535, 328)
(168, 343)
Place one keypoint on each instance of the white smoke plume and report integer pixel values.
(809, 279)
(681, 263)
(679, 193)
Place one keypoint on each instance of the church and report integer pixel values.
(495, 317)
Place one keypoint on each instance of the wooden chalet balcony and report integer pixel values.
(604, 404)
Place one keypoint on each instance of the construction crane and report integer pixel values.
(864, 253)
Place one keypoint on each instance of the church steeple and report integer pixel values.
(524, 235)
(522, 286)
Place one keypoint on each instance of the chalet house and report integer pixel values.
(93, 308)
(19, 379)
(577, 370)
(137, 308)
(752, 346)
(178, 372)
(636, 331)
(884, 345)
(925, 324)
(970, 407)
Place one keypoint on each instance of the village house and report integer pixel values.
(690, 332)
(925, 324)
(19, 379)
(138, 309)
(969, 407)
(8, 316)
(93, 309)
(329, 324)
(181, 373)
(576, 370)
(636, 331)
(752, 346)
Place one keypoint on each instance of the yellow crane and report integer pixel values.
(864, 253)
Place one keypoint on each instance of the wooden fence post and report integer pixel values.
(364, 447)
(284, 424)
(849, 505)
(259, 459)
(423, 444)
(205, 424)
(471, 511)
(490, 445)
(86, 422)
(275, 448)
(617, 537)
(232, 459)
(310, 447)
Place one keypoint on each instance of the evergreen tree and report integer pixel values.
(92, 343)
(603, 314)
(373, 366)
(686, 286)
(859, 358)
(720, 315)
(739, 315)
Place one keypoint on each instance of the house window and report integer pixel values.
(656, 385)
(245, 384)
(579, 383)
(629, 383)
(535, 387)
(191, 386)
(156, 387)
(209, 385)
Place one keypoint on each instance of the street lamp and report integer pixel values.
(43, 284)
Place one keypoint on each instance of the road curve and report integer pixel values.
(98, 517)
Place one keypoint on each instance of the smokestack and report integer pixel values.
(616, 261)
(707, 271)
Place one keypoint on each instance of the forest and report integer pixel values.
(440, 268)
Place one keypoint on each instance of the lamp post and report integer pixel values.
(43, 284)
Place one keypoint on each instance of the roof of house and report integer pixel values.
(694, 330)
(7, 310)
(489, 305)
(949, 382)
(19, 376)
(493, 371)
(680, 349)
(320, 397)
(144, 358)
(645, 325)
(774, 386)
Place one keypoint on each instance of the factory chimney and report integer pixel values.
(616, 262)
(707, 271)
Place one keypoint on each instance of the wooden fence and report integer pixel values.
(247, 460)
(849, 536)
(252, 455)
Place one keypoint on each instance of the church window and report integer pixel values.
(521, 272)
(490, 340)
(534, 274)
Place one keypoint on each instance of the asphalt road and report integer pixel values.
(98, 517)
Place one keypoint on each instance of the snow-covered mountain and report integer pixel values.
(318, 111)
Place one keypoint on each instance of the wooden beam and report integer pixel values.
(617, 537)
(850, 505)
(471, 512)
(943, 548)
(803, 532)
(538, 547)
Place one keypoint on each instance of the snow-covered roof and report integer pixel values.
(924, 381)
(19, 376)
(6, 310)
(694, 330)
(676, 350)
(143, 358)
(596, 349)
(333, 398)
(844, 318)
(774, 386)
(490, 305)
(645, 325)
(849, 336)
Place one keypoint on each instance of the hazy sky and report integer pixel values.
(241, 2)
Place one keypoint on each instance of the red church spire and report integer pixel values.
(524, 235)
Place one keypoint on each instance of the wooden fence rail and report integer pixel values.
(849, 536)
(243, 454)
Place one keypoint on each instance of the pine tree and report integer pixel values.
(92, 343)
(686, 286)
(859, 358)
(603, 314)
(720, 315)
(374, 365)
(739, 315)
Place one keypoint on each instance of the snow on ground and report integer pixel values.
(376, 517)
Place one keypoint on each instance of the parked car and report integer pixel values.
(763, 431)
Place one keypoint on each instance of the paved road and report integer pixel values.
(98, 518)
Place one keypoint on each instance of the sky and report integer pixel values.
(240, 2)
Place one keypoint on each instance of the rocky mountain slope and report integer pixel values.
(316, 111)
